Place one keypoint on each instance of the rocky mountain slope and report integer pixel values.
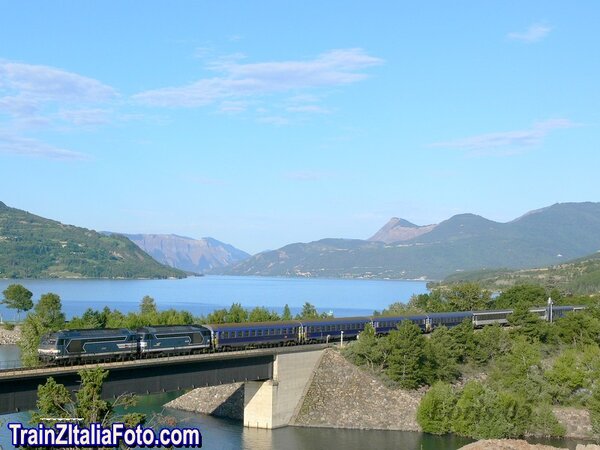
(192, 255)
(398, 230)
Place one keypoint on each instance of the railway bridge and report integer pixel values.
(276, 379)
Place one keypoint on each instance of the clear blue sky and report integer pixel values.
(271, 122)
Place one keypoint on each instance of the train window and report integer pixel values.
(239, 333)
(285, 331)
(246, 333)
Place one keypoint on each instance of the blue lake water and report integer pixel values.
(201, 295)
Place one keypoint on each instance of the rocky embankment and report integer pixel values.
(514, 444)
(226, 400)
(345, 396)
(8, 337)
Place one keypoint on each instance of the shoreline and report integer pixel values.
(9, 337)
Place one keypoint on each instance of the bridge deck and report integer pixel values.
(18, 388)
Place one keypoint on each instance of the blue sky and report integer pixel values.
(266, 123)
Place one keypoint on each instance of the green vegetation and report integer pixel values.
(34, 247)
(580, 276)
(17, 297)
(511, 377)
(55, 401)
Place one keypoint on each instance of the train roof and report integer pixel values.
(277, 323)
(171, 328)
(336, 320)
(94, 332)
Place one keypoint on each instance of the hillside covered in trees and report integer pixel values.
(495, 382)
(580, 276)
(35, 247)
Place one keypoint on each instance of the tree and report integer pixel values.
(467, 297)
(287, 313)
(308, 312)
(49, 311)
(407, 357)
(464, 338)
(523, 296)
(441, 354)
(528, 324)
(491, 342)
(436, 408)
(18, 297)
(55, 401)
(236, 314)
(32, 330)
(148, 306)
(262, 314)
(368, 349)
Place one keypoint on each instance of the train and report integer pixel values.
(98, 345)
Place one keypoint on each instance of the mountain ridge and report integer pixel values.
(189, 254)
(463, 242)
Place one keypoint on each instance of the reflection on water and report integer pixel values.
(225, 434)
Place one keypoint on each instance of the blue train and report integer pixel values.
(74, 346)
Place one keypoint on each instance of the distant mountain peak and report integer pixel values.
(398, 230)
(185, 253)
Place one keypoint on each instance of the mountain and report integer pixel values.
(398, 230)
(192, 255)
(35, 247)
(579, 276)
(464, 242)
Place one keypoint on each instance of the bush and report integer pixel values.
(9, 326)
(435, 410)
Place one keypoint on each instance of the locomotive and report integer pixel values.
(75, 346)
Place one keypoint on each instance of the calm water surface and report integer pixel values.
(201, 295)
(224, 434)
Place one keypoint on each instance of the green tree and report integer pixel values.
(308, 312)
(491, 342)
(49, 311)
(287, 313)
(54, 400)
(407, 356)
(467, 297)
(578, 329)
(441, 356)
(262, 314)
(594, 409)
(32, 330)
(528, 324)
(521, 296)
(368, 349)
(464, 337)
(236, 314)
(17, 297)
(435, 411)
(148, 306)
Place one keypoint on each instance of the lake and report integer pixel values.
(201, 295)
